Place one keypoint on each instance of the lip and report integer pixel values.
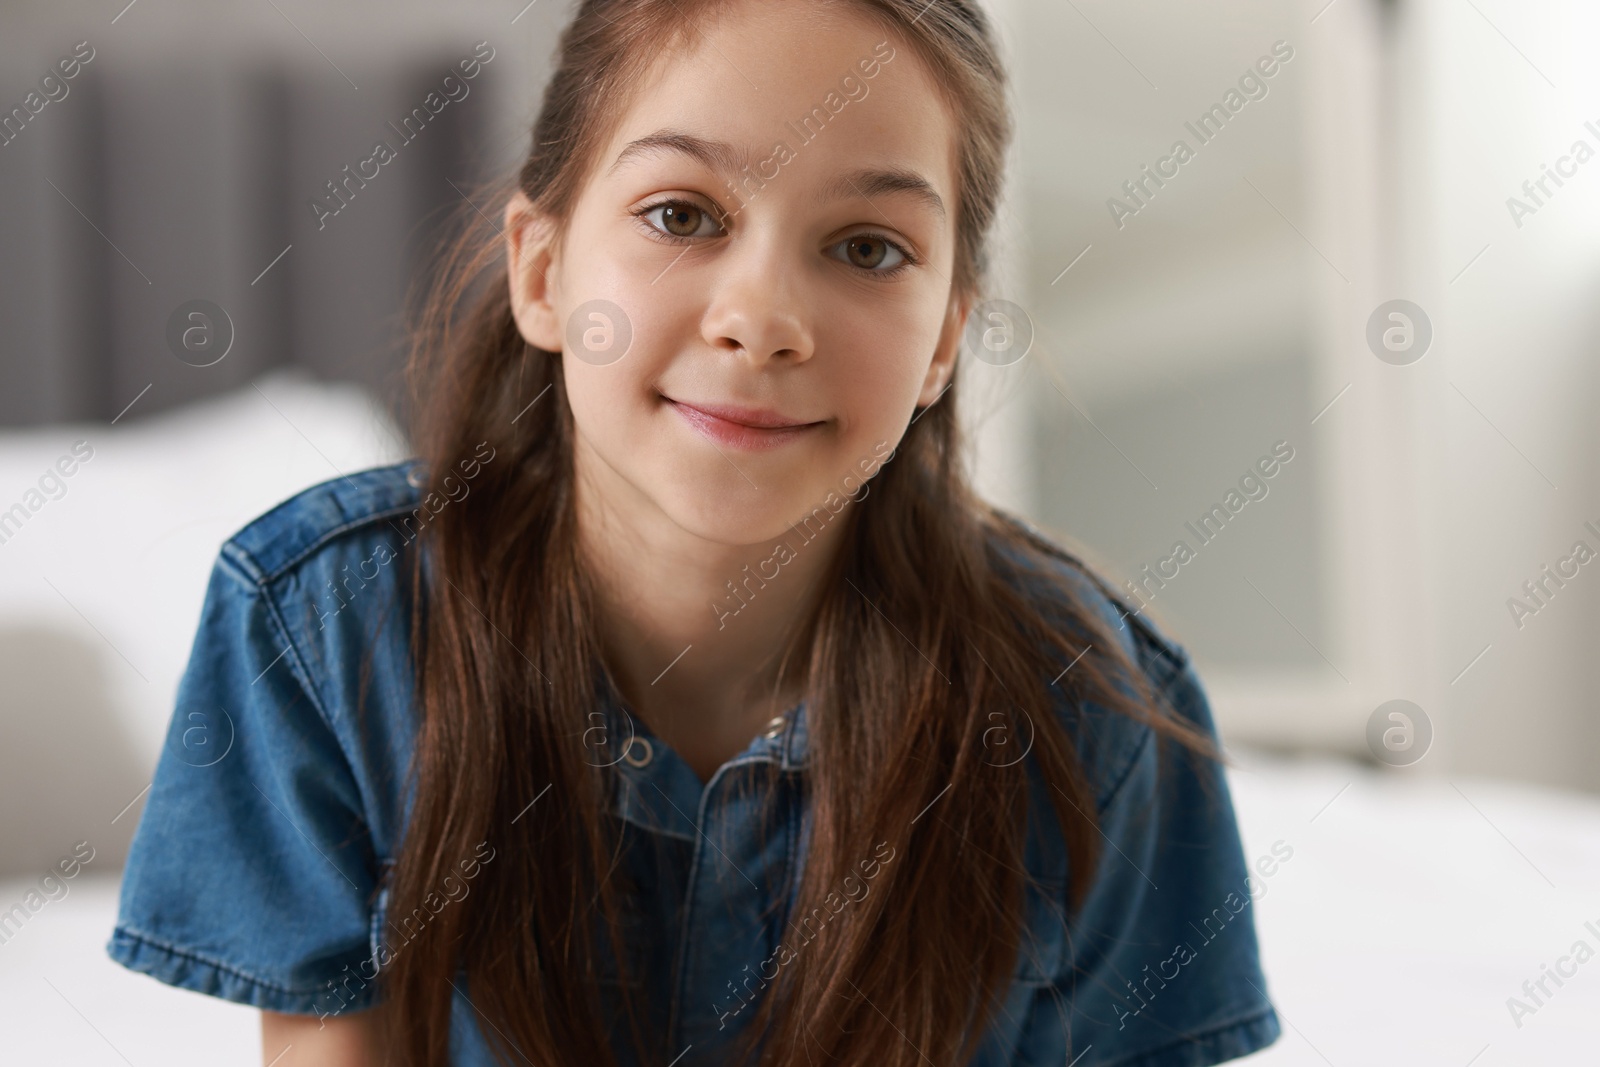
(750, 429)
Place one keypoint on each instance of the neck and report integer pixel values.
(694, 630)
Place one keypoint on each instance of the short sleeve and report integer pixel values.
(1164, 968)
(251, 874)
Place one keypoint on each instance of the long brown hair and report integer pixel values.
(926, 630)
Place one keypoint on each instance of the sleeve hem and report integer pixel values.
(1230, 1041)
(197, 973)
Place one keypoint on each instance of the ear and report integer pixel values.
(531, 270)
(947, 349)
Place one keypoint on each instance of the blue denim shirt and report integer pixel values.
(257, 871)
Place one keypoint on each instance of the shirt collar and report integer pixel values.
(787, 746)
(653, 787)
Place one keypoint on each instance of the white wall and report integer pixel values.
(1513, 482)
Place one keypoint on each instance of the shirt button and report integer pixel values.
(640, 752)
(775, 727)
(417, 477)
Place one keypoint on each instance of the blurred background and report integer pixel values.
(1421, 543)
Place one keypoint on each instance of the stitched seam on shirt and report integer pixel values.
(188, 954)
(679, 980)
(329, 535)
(1149, 1056)
(302, 675)
(1141, 626)
(629, 788)
(240, 565)
(1183, 675)
(1127, 772)
(791, 882)
(745, 761)
(1179, 674)
(1175, 663)
(275, 619)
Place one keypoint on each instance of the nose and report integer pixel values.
(758, 309)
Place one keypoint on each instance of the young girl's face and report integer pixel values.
(781, 322)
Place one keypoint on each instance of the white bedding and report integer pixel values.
(121, 559)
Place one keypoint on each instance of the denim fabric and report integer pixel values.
(257, 872)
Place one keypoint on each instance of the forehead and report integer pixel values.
(812, 79)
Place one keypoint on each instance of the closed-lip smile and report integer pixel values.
(751, 429)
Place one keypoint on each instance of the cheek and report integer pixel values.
(617, 336)
(608, 403)
(587, 388)
(877, 361)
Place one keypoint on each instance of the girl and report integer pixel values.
(684, 706)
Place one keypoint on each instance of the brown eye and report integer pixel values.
(867, 252)
(871, 253)
(681, 220)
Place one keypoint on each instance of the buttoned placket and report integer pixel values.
(742, 874)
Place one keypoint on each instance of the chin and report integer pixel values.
(729, 520)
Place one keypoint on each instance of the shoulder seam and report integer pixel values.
(329, 535)
(298, 665)
(247, 564)
(1173, 658)
(242, 566)
(1169, 649)
(1162, 691)
(1145, 733)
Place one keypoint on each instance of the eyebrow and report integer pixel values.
(726, 159)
